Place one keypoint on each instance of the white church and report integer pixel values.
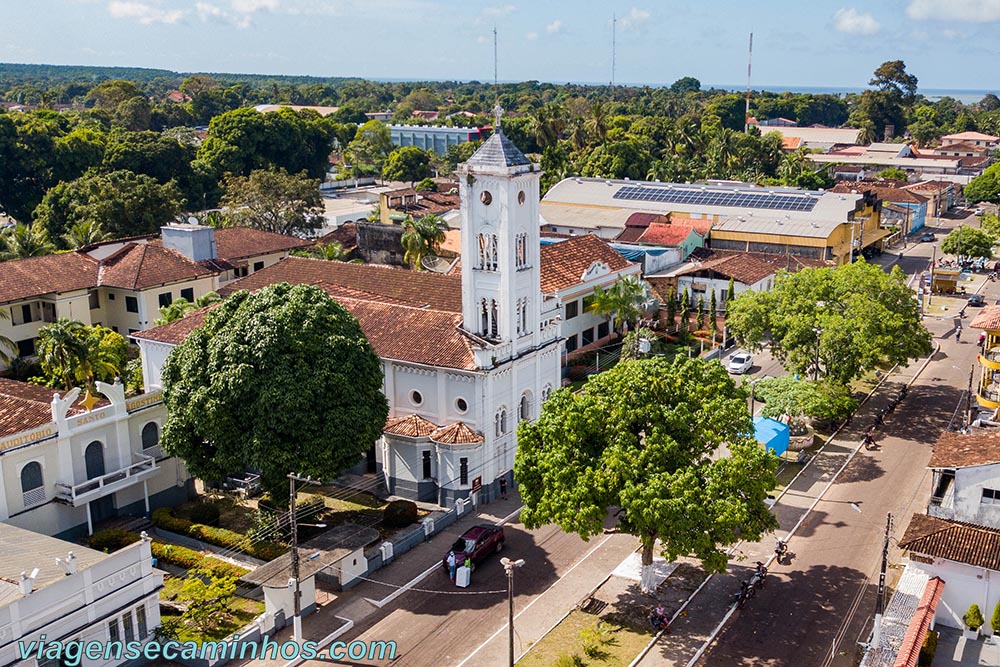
(464, 358)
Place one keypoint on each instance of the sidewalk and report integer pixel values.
(351, 607)
(691, 630)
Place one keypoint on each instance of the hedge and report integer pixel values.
(113, 539)
(220, 537)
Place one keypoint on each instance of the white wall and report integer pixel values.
(969, 485)
(964, 585)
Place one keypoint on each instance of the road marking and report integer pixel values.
(537, 598)
(426, 573)
(323, 643)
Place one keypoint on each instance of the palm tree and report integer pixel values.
(597, 123)
(578, 133)
(85, 233)
(6, 343)
(421, 238)
(547, 124)
(181, 307)
(625, 301)
(332, 251)
(23, 241)
(63, 352)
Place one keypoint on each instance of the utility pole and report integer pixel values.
(508, 567)
(297, 596)
(880, 599)
(746, 117)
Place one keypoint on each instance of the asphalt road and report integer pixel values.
(815, 609)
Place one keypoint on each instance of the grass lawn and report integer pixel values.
(564, 640)
(244, 610)
(232, 515)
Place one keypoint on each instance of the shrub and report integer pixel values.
(426, 185)
(973, 618)
(595, 638)
(399, 514)
(111, 539)
(569, 660)
(927, 651)
(206, 513)
(995, 621)
(164, 518)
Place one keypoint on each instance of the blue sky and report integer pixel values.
(946, 43)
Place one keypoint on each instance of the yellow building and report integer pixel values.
(747, 218)
(988, 385)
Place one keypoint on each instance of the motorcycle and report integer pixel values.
(759, 578)
(869, 441)
(745, 593)
(780, 549)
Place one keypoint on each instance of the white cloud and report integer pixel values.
(251, 6)
(501, 10)
(634, 19)
(484, 39)
(145, 14)
(554, 27)
(531, 36)
(851, 21)
(975, 11)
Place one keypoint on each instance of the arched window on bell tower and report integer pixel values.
(485, 329)
(494, 318)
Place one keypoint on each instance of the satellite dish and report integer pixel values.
(192, 220)
(435, 264)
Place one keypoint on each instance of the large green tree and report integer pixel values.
(985, 187)
(833, 322)
(968, 242)
(281, 380)
(625, 301)
(123, 203)
(369, 149)
(407, 163)
(642, 438)
(274, 201)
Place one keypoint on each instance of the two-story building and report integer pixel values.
(122, 284)
(54, 591)
(464, 357)
(69, 461)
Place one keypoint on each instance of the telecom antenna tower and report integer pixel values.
(614, 30)
(746, 117)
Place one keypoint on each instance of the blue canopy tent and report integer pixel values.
(774, 435)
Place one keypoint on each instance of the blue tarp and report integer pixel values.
(772, 434)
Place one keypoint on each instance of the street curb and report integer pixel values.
(715, 633)
(729, 613)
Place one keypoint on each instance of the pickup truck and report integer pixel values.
(477, 543)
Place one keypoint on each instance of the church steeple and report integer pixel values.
(499, 190)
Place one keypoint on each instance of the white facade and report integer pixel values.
(972, 495)
(62, 477)
(964, 585)
(106, 597)
(579, 326)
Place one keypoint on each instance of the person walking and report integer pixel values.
(503, 488)
(452, 564)
(958, 335)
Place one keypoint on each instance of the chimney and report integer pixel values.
(69, 565)
(27, 584)
(196, 242)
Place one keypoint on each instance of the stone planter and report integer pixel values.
(970, 634)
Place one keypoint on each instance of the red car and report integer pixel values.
(477, 543)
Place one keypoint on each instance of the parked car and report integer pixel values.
(927, 237)
(977, 300)
(740, 363)
(476, 543)
(979, 211)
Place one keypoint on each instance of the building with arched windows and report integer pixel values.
(464, 357)
(68, 462)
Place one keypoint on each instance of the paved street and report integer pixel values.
(817, 607)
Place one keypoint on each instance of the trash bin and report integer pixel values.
(463, 576)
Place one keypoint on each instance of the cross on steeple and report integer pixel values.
(497, 113)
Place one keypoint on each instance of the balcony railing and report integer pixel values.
(992, 354)
(34, 497)
(92, 489)
(990, 393)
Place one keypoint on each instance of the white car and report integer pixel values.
(740, 363)
(979, 211)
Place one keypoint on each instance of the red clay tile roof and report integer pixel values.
(747, 267)
(962, 147)
(955, 450)
(235, 243)
(24, 406)
(953, 540)
(643, 220)
(936, 187)
(427, 203)
(564, 263)
(50, 274)
(885, 192)
(411, 426)
(419, 335)
(414, 288)
(916, 631)
(140, 266)
(346, 235)
(175, 332)
(456, 434)
(666, 235)
(701, 225)
(790, 143)
(970, 136)
(988, 318)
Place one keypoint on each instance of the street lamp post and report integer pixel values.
(297, 595)
(508, 567)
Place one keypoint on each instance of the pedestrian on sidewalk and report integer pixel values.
(958, 335)
(503, 486)
(452, 564)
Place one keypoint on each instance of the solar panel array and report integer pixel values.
(736, 199)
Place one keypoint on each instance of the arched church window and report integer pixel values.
(494, 252)
(486, 197)
(486, 319)
(494, 318)
(524, 413)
